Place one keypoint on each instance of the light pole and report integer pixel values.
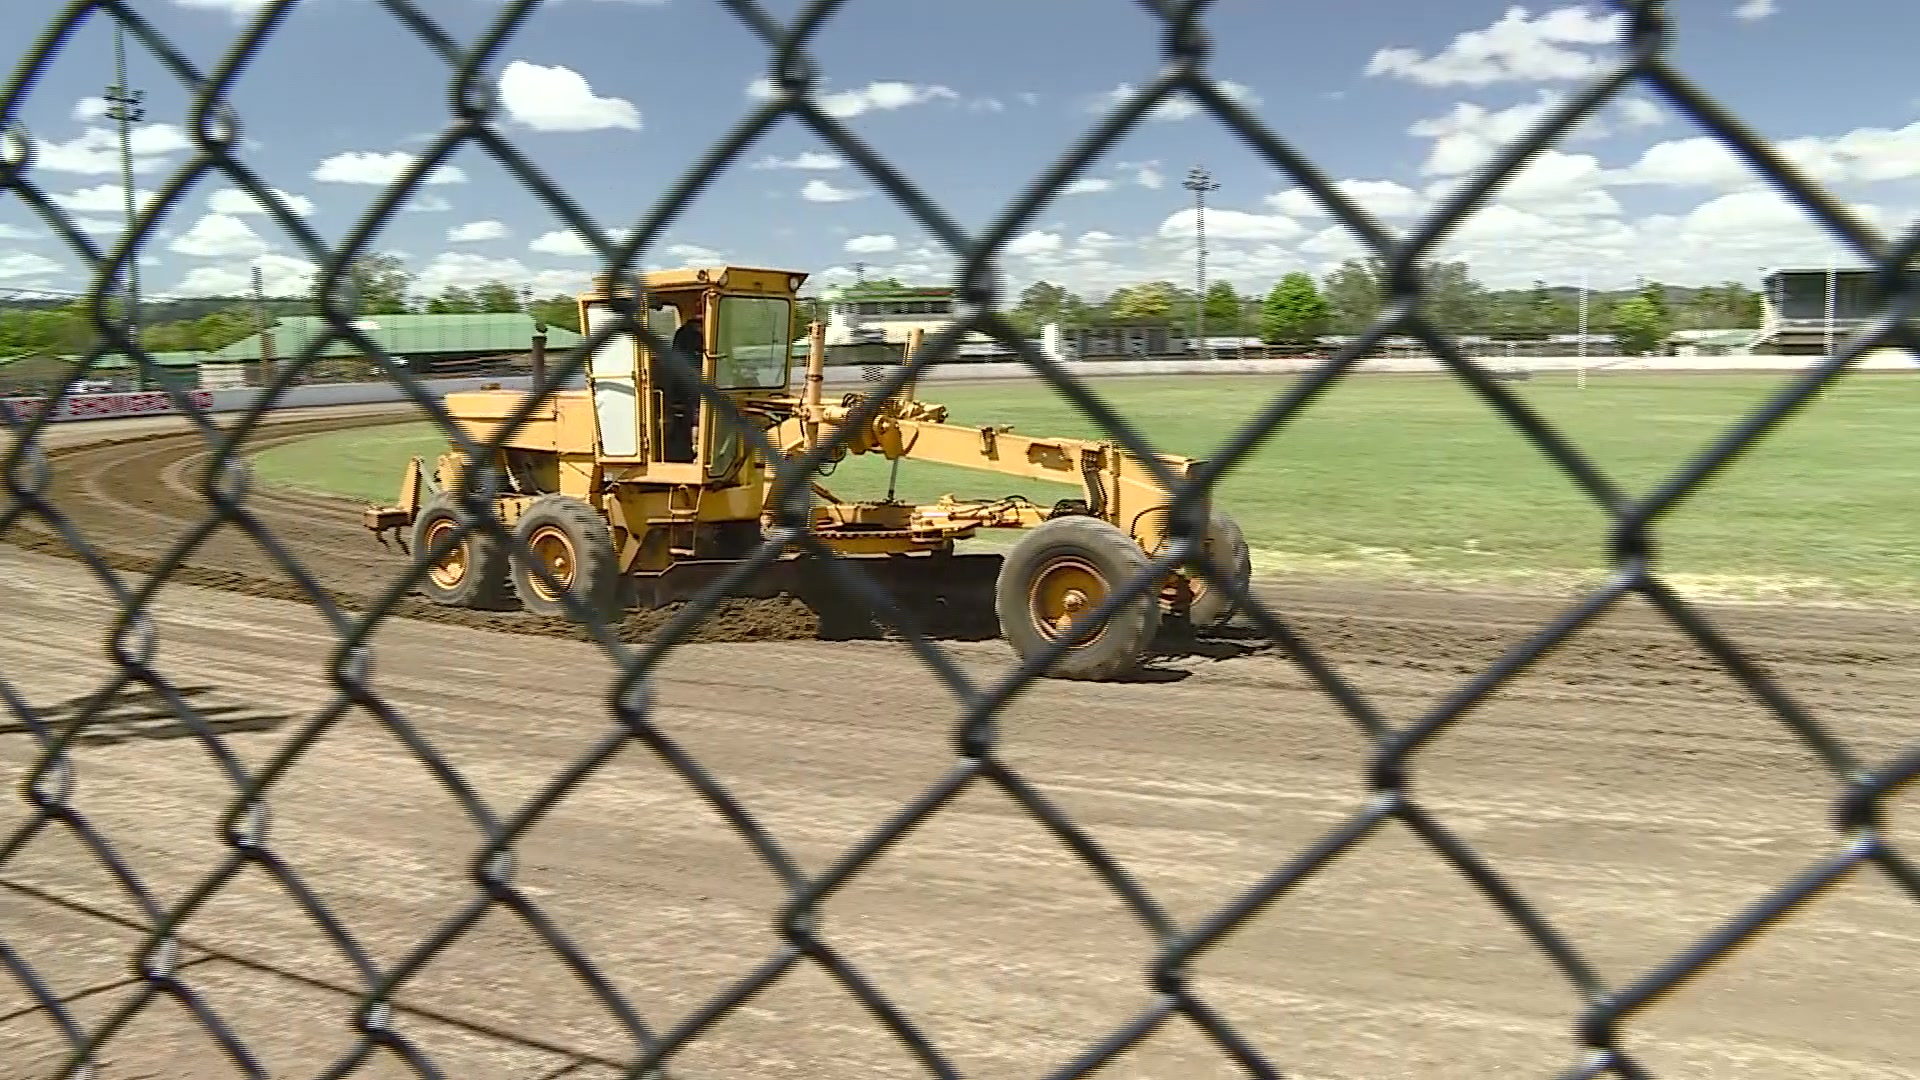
(1833, 296)
(1200, 181)
(124, 109)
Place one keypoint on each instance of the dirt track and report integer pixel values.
(1625, 785)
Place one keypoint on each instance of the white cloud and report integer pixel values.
(19, 265)
(235, 201)
(568, 242)
(558, 98)
(96, 150)
(884, 96)
(15, 232)
(1754, 10)
(103, 199)
(810, 159)
(1036, 242)
(1519, 47)
(872, 244)
(1231, 225)
(1149, 176)
(1180, 106)
(1638, 112)
(219, 236)
(1557, 184)
(987, 104)
(1864, 155)
(89, 109)
(465, 270)
(822, 192)
(426, 203)
(559, 242)
(235, 8)
(1470, 134)
(1087, 185)
(280, 275)
(1381, 198)
(474, 232)
(694, 254)
(371, 167)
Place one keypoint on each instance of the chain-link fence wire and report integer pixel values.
(213, 124)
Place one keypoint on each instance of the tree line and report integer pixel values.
(1297, 310)
(381, 284)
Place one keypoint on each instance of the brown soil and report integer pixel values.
(134, 498)
(1638, 796)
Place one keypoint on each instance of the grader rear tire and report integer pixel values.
(1212, 607)
(472, 573)
(1061, 569)
(574, 543)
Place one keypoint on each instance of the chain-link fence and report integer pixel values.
(47, 790)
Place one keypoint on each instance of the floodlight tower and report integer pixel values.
(124, 108)
(1200, 182)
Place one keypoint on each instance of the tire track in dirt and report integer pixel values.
(1625, 784)
(134, 497)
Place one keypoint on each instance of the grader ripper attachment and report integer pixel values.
(633, 494)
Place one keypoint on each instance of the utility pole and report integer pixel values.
(124, 109)
(1200, 182)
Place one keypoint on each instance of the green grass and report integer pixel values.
(1416, 478)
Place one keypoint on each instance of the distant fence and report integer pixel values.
(157, 403)
(121, 406)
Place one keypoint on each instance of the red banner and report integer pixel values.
(108, 406)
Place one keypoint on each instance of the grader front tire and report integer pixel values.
(472, 573)
(1056, 574)
(573, 542)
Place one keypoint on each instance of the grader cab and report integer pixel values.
(629, 492)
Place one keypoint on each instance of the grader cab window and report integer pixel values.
(753, 343)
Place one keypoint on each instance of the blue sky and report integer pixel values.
(616, 98)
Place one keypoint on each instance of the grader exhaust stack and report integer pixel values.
(633, 493)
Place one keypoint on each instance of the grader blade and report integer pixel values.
(946, 596)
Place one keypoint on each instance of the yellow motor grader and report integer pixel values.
(632, 493)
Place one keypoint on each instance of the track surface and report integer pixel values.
(1625, 785)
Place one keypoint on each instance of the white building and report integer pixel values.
(890, 316)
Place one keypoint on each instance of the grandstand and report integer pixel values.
(1794, 318)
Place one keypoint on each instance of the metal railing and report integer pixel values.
(1860, 791)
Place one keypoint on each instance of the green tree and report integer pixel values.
(381, 284)
(1641, 325)
(1044, 302)
(1225, 312)
(1455, 302)
(1151, 302)
(453, 300)
(1295, 313)
(807, 310)
(219, 329)
(496, 298)
(1354, 292)
(558, 310)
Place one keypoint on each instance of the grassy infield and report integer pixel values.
(1414, 478)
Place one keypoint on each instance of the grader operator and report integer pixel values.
(630, 493)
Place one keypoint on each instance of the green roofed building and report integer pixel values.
(425, 344)
(34, 373)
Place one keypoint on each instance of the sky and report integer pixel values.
(615, 101)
